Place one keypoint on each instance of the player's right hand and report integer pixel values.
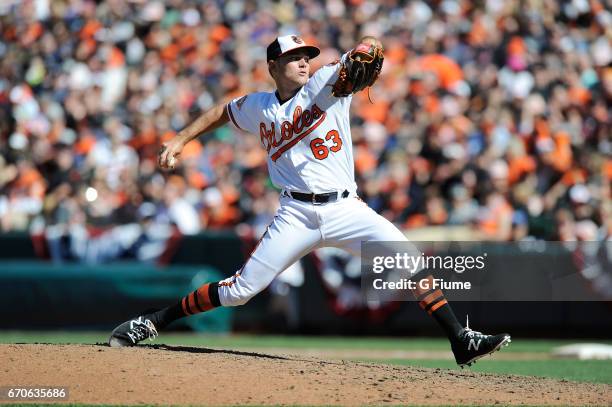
(170, 153)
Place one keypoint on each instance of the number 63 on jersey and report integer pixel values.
(320, 149)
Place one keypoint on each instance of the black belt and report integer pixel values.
(317, 198)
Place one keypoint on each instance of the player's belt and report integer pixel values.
(317, 198)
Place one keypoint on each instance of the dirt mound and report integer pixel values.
(176, 375)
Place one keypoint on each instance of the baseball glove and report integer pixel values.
(360, 70)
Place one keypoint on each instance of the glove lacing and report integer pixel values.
(369, 98)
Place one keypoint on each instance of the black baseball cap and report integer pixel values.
(287, 43)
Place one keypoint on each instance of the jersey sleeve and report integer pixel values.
(242, 112)
(326, 75)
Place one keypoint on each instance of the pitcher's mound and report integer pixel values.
(179, 375)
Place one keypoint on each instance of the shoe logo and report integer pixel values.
(473, 344)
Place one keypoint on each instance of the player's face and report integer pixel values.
(292, 70)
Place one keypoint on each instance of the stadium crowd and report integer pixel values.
(493, 114)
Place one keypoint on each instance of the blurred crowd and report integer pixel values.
(490, 114)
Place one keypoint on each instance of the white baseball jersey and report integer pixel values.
(308, 138)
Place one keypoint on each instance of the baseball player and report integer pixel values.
(304, 127)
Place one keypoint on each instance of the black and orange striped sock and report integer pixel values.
(436, 305)
(203, 299)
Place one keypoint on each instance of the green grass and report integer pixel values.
(589, 371)
(271, 341)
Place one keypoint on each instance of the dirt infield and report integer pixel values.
(176, 375)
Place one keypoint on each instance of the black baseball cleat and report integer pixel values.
(133, 331)
(472, 345)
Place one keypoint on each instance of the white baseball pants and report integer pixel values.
(298, 228)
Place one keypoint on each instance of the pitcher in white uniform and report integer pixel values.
(305, 130)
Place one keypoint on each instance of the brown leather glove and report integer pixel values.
(360, 70)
